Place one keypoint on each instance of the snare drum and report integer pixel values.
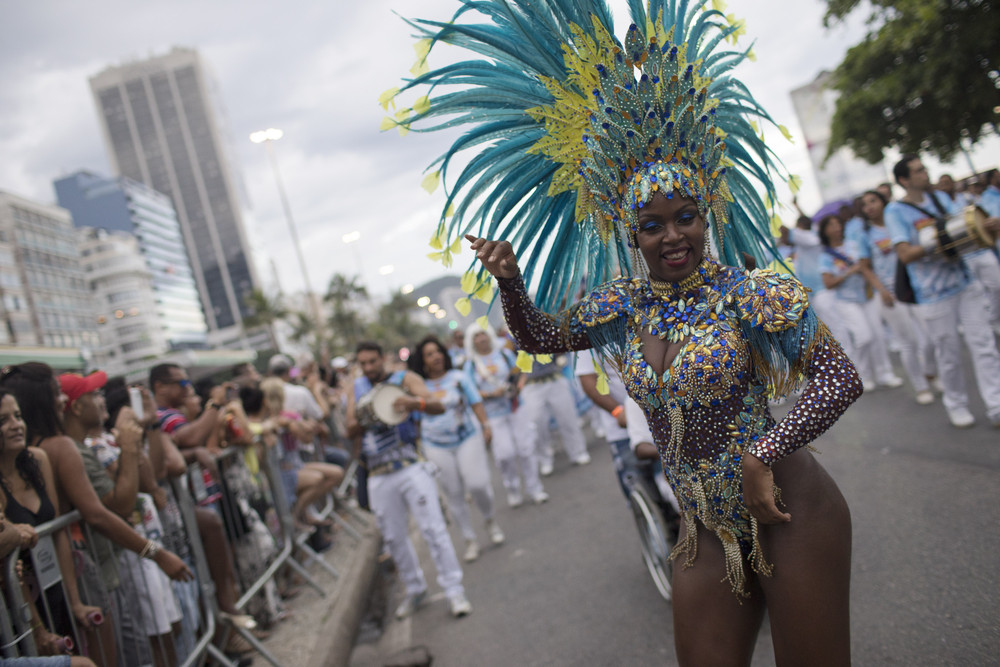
(964, 232)
(376, 407)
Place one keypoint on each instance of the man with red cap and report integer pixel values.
(84, 415)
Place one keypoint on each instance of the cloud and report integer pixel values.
(314, 70)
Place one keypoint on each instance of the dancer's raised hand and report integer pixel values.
(496, 256)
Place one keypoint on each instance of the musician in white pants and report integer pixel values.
(454, 444)
(545, 394)
(400, 484)
(945, 296)
(491, 367)
(906, 328)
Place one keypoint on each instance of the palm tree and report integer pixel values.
(343, 295)
(394, 327)
(264, 312)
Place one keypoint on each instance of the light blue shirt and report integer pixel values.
(990, 201)
(491, 373)
(933, 278)
(852, 289)
(854, 230)
(882, 255)
(807, 252)
(457, 392)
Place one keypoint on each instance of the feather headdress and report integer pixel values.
(573, 131)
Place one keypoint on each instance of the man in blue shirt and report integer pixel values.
(945, 295)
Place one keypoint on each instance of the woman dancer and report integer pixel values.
(491, 367)
(846, 270)
(454, 444)
(627, 157)
(914, 348)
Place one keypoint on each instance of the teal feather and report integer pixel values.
(502, 190)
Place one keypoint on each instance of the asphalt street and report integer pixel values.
(569, 587)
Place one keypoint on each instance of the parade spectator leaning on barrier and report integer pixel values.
(27, 482)
(113, 463)
(171, 390)
(10, 539)
(42, 402)
(304, 482)
(119, 448)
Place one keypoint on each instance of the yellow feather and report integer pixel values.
(485, 292)
(469, 280)
(456, 246)
(794, 183)
(544, 358)
(422, 104)
(420, 68)
(483, 321)
(388, 97)
(436, 240)
(431, 181)
(387, 124)
(464, 306)
(422, 47)
(524, 361)
(784, 131)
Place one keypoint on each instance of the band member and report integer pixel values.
(400, 483)
(545, 395)
(946, 298)
(491, 366)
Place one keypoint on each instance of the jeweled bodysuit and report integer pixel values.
(745, 336)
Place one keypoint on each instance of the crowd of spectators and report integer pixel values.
(115, 452)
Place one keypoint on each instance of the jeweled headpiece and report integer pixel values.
(576, 131)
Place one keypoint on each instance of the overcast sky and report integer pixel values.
(315, 70)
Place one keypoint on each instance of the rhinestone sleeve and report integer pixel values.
(536, 331)
(833, 385)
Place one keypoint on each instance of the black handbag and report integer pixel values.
(903, 288)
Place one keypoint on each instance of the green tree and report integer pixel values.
(264, 312)
(343, 295)
(394, 326)
(924, 79)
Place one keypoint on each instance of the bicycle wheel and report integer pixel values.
(653, 536)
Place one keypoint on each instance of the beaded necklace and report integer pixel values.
(680, 304)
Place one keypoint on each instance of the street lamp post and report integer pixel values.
(267, 137)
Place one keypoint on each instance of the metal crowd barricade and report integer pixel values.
(247, 521)
(242, 497)
(128, 609)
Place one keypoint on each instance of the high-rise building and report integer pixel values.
(162, 128)
(46, 299)
(130, 245)
(125, 312)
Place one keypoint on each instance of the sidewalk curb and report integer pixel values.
(335, 640)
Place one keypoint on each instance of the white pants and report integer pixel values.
(986, 269)
(824, 302)
(971, 310)
(393, 497)
(515, 457)
(542, 400)
(464, 468)
(865, 344)
(909, 333)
